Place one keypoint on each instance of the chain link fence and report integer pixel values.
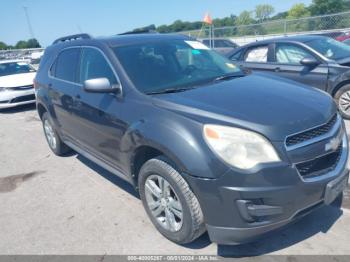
(326, 24)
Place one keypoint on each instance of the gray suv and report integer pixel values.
(207, 146)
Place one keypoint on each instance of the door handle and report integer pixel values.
(77, 97)
(277, 69)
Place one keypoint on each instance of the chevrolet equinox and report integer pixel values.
(207, 146)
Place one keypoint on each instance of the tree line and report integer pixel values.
(22, 44)
(261, 13)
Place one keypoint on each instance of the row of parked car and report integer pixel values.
(209, 146)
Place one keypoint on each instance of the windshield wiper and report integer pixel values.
(169, 90)
(227, 77)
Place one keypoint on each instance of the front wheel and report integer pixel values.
(169, 202)
(342, 98)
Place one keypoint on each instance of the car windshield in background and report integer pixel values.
(330, 48)
(13, 68)
(173, 65)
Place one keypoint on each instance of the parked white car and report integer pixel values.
(16, 83)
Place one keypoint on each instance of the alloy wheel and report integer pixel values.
(50, 134)
(163, 202)
(344, 103)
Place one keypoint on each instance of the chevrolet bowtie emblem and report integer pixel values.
(333, 144)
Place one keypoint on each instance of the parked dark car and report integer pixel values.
(221, 45)
(317, 61)
(206, 146)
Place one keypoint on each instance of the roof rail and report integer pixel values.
(146, 31)
(72, 37)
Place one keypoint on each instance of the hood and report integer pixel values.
(344, 62)
(16, 80)
(271, 107)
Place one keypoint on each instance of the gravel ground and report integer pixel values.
(68, 205)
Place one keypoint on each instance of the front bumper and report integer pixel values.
(275, 196)
(13, 98)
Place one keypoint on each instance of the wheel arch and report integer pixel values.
(338, 86)
(41, 109)
(143, 153)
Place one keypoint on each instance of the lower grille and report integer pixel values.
(320, 165)
(23, 99)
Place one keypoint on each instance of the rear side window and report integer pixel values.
(66, 65)
(257, 54)
(94, 65)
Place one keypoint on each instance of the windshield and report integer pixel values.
(13, 68)
(172, 64)
(330, 48)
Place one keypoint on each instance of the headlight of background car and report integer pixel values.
(238, 147)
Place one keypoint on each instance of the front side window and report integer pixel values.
(169, 64)
(13, 68)
(65, 67)
(330, 48)
(290, 54)
(94, 65)
(257, 54)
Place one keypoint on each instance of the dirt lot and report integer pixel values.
(53, 205)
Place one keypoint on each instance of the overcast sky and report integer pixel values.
(52, 19)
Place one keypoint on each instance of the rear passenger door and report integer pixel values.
(63, 89)
(98, 114)
(257, 58)
(287, 64)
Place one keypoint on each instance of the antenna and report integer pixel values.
(25, 8)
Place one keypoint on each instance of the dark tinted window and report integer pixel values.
(236, 56)
(224, 44)
(66, 64)
(94, 65)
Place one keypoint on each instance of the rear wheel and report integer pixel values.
(342, 98)
(169, 202)
(52, 138)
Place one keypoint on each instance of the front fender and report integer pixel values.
(179, 139)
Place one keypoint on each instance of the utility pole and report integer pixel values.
(25, 8)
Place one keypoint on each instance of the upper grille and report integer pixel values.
(311, 133)
(320, 165)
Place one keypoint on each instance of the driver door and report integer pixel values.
(287, 64)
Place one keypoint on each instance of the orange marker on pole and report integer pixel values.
(207, 19)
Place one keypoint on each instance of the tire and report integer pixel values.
(342, 98)
(58, 147)
(184, 230)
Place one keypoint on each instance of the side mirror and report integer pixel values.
(101, 85)
(310, 62)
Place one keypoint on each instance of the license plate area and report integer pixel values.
(335, 188)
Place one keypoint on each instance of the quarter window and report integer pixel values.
(257, 54)
(94, 65)
(290, 54)
(66, 65)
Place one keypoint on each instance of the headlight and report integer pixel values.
(238, 147)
